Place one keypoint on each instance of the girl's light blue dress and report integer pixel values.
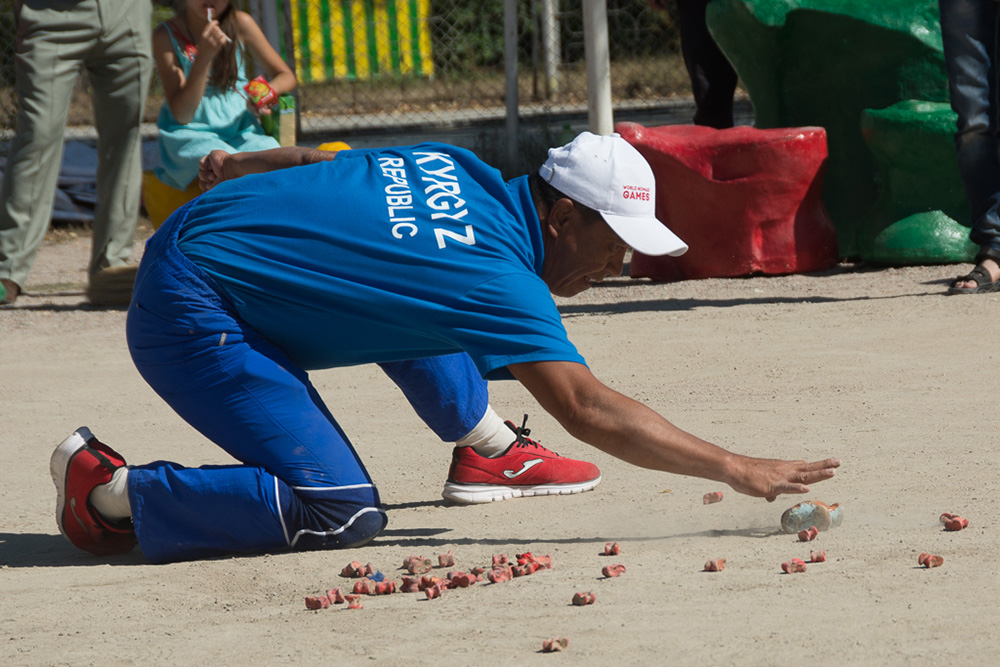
(221, 121)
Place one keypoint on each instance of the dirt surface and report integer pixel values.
(878, 367)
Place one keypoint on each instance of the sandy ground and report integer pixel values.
(877, 367)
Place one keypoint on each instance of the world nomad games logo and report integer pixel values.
(636, 192)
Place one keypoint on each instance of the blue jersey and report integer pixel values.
(383, 255)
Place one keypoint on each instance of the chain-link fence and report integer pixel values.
(389, 67)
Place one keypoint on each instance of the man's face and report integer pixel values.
(580, 249)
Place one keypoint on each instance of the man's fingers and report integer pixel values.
(826, 463)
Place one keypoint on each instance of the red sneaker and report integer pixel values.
(80, 463)
(525, 469)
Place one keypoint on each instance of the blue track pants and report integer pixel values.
(300, 483)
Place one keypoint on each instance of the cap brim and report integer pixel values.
(646, 235)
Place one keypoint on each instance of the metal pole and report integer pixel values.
(550, 46)
(510, 73)
(595, 43)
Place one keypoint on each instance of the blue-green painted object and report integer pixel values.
(823, 62)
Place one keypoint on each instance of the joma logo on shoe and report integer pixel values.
(525, 467)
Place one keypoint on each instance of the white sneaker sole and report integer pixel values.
(474, 494)
(59, 466)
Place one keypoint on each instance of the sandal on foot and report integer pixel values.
(978, 275)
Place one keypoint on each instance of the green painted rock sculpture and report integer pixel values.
(922, 214)
(822, 62)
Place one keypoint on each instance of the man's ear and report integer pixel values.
(559, 214)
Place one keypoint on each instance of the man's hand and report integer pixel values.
(220, 166)
(212, 169)
(768, 478)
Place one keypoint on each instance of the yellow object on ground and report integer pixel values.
(334, 146)
(160, 200)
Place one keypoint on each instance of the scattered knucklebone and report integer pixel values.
(612, 549)
(499, 574)
(712, 498)
(956, 523)
(428, 581)
(794, 566)
(930, 560)
(533, 562)
(583, 599)
(335, 596)
(809, 534)
(817, 556)
(554, 645)
(433, 592)
(479, 571)
(613, 570)
(364, 587)
(354, 602)
(385, 587)
(461, 579)
(543, 562)
(410, 585)
(355, 569)
(717, 565)
(500, 559)
(417, 564)
(317, 602)
(446, 560)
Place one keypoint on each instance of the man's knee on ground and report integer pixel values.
(333, 519)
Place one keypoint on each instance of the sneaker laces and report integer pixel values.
(521, 438)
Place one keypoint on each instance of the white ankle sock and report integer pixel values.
(490, 437)
(111, 499)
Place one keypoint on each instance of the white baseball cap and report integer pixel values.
(607, 174)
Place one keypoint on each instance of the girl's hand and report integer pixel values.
(212, 39)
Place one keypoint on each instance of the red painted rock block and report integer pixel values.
(612, 549)
(745, 200)
(583, 599)
(817, 556)
(446, 560)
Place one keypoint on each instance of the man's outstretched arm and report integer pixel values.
(220, 166)
(628, 430)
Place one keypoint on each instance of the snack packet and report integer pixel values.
(261, 93)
